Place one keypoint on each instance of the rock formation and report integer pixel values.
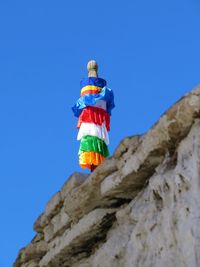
(140, 208)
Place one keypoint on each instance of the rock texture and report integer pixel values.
(140, 208)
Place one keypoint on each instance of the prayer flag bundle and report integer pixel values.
(93, 110)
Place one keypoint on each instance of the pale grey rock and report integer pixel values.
(48, 232)
(160, 226)
(87, 196)
(32, 253)
(53, 205)
(60, 221)
(56, 202)
(31, 263)
(52, 208)
(167, 212)
(78, 241)
(128, 144)
(140, 208)
(72, 183)
(162, 138)
(57, 225)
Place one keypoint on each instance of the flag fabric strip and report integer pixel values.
(93, 81)
(94, 115)
(95, 144)
(90, 100)
(93, 130)
(86, 159)
(101, 104)
(90, 89)
(93, 92)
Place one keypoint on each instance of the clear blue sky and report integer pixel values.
(149, 53)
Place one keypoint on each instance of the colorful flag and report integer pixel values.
(93, 110)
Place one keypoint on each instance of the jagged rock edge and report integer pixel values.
(118, 178)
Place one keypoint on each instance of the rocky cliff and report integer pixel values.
(140, 208)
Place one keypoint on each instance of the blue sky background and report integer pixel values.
(149, 53)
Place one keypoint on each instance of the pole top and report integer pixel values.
(92, 68)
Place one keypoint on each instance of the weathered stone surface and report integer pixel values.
(80, 239)
(147, 153)
(160, 227)
(87, 196)
(163, 137)
(31, 263)
(140, 208)
(129, 144)
(31, 253)
(57, 225)
(54, 205)
(72, 183)
(40, 223)
(167, 232)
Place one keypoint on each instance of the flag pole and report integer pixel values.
(92, 68)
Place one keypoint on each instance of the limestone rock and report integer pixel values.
(56, 202)
(140, 208)
(57, 225)
(80, 239)
(87, 196)
(127, 144)
(160, 226)
(32, 253)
